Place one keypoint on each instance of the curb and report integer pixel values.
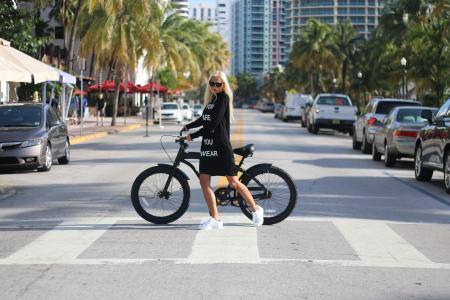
(6, 192)
(85, 138)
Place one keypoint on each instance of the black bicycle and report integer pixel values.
(161, 194)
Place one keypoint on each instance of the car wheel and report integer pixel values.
(285, 119)
(376, 156)
(315, 129)
(447, 172)
(366, 147)
(64, 160)
(421, 173)
(48, 159)
(389, 157)
(355, 144)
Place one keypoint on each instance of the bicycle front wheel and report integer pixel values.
(150, 201)
(274, 190)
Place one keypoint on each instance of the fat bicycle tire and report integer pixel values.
(137, 196)
(285, 179)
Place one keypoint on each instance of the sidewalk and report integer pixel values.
(91, 131)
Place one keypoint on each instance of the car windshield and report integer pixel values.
(332, 100)
(169, 106)
(384, 107)
(20, 116)
(411, 115)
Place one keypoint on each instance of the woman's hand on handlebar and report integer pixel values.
(188, 137)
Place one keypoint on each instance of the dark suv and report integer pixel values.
(433, 147)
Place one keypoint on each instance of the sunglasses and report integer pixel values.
(217, 84)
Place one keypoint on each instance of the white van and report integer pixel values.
(294, 105)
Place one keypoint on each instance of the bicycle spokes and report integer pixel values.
(157, 202)
(271, 192)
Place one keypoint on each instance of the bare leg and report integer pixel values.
(210, 198)
(242, 190)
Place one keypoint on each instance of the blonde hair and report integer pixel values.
(226, 88)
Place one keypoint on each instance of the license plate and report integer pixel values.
(335, 122)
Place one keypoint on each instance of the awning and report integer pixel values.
(66, 77)
(17, 66)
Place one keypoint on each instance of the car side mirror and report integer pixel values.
(427, 115)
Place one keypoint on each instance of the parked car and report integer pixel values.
(332, 111)
(170, 112)
(293, 106)
(32, 136)
(367, 125)
(187, 112)
(266, 106)
(396, 137)
(432, 149)
(305, 112)
(198, 110)
(277, 110)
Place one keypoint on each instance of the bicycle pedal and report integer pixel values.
(234, 203)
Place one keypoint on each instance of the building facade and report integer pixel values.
(251, 36)
(363, 14)
(182, 7)
(264, 30)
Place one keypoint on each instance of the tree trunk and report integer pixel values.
(116, 101)
(91, 67)
(311, 82)
(344, 76)
(72, 34)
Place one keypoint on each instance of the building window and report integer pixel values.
(194, 12)
(59, 33)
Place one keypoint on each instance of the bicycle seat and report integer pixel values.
(245, 151)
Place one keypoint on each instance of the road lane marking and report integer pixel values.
(63, 242)
(236, 243)
(377, 244)
(6, 192)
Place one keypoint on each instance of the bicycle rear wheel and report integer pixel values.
(280, 198)
(149, 201)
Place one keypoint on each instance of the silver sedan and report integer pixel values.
(397, 135)
(32, 136)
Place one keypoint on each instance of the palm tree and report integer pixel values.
(346, 41)
(118, 31)
(313, 51)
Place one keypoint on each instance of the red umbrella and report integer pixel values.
(152, 86)
(78, 92)
(108, 85)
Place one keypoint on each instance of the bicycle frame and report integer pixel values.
(183, 156)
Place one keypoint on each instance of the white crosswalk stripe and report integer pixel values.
(374, 242)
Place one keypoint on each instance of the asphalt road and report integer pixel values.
(359, 230)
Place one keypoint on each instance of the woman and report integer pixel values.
(100, 108)
(216, 156)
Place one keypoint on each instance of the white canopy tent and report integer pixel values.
(17, 66)
(20, 67)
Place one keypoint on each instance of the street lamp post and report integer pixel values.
(403, 62)
(334, 85)
(359, 75)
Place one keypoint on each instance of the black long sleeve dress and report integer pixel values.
(216, 154)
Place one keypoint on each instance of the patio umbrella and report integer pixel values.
(17, 66)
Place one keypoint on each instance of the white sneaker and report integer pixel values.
(211, 223)
(258, 216)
